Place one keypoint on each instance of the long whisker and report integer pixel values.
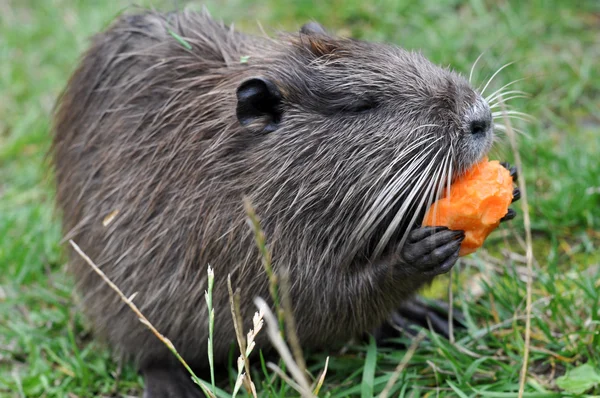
(494, 75)
(433, 189)
(505, 100)
(429, 195)
(386, 199)
(396, 185)
(409, 199)
(398, 182)
(501, 96)
(514, 118)
(503, 128)
(440, 183)
(501, 113)
(495, 93)
(513, 114)
(447, 175)
(473, 66)
(402, 158)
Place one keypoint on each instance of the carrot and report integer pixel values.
(476, 203)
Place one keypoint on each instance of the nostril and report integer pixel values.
(479, 127)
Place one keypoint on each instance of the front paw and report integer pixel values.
(516, 192)
(433, 249)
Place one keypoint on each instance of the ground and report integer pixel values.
(46, 350)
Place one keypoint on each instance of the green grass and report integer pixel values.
(45, 348)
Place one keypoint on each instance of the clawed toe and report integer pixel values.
(447, 264)
(516, 192)
(416, 314)
(509, 215)
(434, 249)
(424, 232)
(434, 246)
(516, 195)
(443, 258)
(513, 170)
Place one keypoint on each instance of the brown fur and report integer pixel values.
(148, 128)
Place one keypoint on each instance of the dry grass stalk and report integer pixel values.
(211, 325)
(290, 323)
(279, 344)
(321, 378)
(142, 318)
(265, 255)
(528, 253)
(400, 368)
(451, 307)
(275, 329)
(243, 363)
(289, 381)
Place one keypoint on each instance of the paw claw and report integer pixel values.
(431, 251)
(444, 258)
(415, 314)
(516, 195)
(432, 247)
(509, 215)
(423, 232)
(512, 170)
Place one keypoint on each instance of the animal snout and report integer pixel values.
(479, 121)
(480, 126)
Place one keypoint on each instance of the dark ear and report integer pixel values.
(313, 28)
(258, 105)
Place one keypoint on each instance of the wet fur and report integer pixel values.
(148, 128)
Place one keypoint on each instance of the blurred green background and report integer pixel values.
(45, 348)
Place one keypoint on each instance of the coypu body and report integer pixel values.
(340, 145)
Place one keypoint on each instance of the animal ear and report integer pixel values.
(258, 105)
(313, 28)
(314, 38)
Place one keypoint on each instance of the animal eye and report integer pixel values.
(363, 106)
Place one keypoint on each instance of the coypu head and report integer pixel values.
(361, 134)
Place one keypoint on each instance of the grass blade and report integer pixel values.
(368, 378)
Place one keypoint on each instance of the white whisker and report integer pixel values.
(502, 96)
(505, 100)
(474, 64)
(514, 117)
(397, 183)
(504, 129)
(446, 176)
(517, 113)
(450, 171)
(430, 194)
(408, 202)
(439, 183)
(386, 197)
(396, 186)
(494, 75)
(402, 156)
(433, 189)
(495, 93)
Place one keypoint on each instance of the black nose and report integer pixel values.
(479, 126)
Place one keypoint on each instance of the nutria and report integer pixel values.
(340, 145)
